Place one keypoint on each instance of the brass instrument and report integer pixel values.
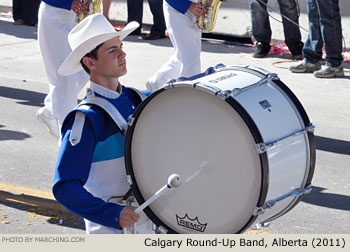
(207, 21)
(94, 7)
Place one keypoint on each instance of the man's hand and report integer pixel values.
(79, 7)
(196, 9)
(128, 217)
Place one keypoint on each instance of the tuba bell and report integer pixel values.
(207, 21)
(94, 7)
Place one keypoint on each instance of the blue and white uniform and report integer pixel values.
(186, 39)
(55, 20)
(90, 168)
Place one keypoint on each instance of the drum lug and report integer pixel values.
(218, 66)
(128, 179)
(274, 77)
(161, 230)
(259, 226)
(224, 94)
(259, 210)
(131, 121)
(263, 147)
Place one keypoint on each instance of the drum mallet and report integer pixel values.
(173, 182)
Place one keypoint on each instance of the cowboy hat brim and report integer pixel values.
(72, 65)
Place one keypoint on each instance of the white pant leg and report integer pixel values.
(186, 40)
(53, 27)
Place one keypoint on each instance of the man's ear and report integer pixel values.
(89, 63)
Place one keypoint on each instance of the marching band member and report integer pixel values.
(56, 19)
(180, 18)
(90, 167)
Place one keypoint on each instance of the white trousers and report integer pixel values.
(186, 40)
(54, 25)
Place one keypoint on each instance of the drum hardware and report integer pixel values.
(131, 120)
(224, 94)
(266, 79)
(161, 230)
(261, 225)
(263, 147)
(128, 179)
(269, 204)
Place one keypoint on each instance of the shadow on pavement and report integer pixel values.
(19, 31)
(12, 135)
(329, 200)
(332, 145)
(26, 97)
(55, 212)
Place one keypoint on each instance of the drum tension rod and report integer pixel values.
(263, 147)
(269, 204)
(268, 78)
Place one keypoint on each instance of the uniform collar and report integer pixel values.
(108, 93)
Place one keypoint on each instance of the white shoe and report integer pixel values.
(52, 123)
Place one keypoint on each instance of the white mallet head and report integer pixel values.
(174, 181)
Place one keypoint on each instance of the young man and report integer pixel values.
(90, 167)
(180, 18)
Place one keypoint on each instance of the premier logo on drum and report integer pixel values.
(192, 224)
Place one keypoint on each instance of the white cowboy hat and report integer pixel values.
(85, 36)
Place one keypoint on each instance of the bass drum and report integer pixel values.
(239, 139)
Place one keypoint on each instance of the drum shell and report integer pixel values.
(269, 111)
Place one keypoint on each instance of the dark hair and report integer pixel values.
(92, 54)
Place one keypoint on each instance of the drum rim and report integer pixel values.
(253, 130)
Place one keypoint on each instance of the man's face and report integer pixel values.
(111, 59)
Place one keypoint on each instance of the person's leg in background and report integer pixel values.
(260, 27)
(331, 32)
(135, 13)
(289, 9)
(17, 12)
(106, 5)
(158, 28)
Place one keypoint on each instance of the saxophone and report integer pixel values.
(207, 21)
(94, 7)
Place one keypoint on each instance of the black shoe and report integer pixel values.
(153, 36)
(136, 32)
(297, 56)
(261, 50)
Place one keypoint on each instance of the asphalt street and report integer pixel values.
(28, 152)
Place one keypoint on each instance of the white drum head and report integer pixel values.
(202, 138)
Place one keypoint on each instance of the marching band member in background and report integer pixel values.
(180, 18)
(90, 167)
(56, 19)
